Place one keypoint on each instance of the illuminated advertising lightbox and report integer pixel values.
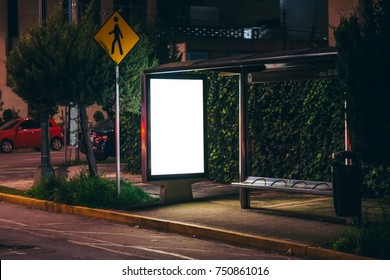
(176, 127)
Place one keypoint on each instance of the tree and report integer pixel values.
(140, 58)
(91, 74)
(10, 114)
(33, 67)
(87, 74)
(363, 43)
(33, 73)
(57, 63)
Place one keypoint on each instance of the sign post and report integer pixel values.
(117, 132)
(117, 38)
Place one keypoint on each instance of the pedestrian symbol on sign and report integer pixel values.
(116, 37)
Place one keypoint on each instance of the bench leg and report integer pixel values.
(245, 198)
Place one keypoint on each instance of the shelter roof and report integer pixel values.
(299, 64)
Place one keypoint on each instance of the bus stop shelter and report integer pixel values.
(303, 64)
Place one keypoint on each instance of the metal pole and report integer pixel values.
(347, 142)
(243, 135)
(117, 131)
(284, 29)
(243, 125)
(74, 115)
(42, 11)
(66, 134)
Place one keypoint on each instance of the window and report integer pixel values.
(13, 26)
(29, 124)
(197, 55)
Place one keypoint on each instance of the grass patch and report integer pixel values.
(371, 239)
(83, 190)
(8, 190)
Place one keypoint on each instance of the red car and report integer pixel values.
(26, 133)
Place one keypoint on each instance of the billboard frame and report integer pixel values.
(148, 174)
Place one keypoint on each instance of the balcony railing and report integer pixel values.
(245, 33)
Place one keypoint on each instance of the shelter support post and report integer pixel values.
(243, 137)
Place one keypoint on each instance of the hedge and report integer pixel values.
(293, 129)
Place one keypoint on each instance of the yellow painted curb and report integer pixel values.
(248, 240)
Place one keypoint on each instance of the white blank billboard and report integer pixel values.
(176, 127)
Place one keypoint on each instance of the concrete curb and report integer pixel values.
(248, 240)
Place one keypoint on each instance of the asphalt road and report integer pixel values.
(27, 233)
(18, 168)
(30, 234)
(30, 158)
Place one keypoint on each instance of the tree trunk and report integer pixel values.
(45, 170)
(92, 166)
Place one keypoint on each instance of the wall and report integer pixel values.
(247, 13)
(3, 41)
(305, 19)
(10, 99)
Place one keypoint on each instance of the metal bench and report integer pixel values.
(277, 184)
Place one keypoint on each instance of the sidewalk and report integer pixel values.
(299, 224)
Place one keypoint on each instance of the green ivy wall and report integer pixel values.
(294, 127)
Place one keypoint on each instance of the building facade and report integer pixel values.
(202, 28)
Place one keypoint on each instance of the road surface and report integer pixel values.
(30, 234)
(17, 169)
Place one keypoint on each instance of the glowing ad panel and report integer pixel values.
(176, 127)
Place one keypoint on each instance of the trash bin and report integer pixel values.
(346, 181)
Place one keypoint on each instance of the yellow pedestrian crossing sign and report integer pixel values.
(116, 37)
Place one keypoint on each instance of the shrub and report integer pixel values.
(10, 114)
(372, 239)
(84, 190)
(376, 181)
(98, 116)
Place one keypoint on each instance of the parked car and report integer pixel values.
(26, 133)
(102, 136)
